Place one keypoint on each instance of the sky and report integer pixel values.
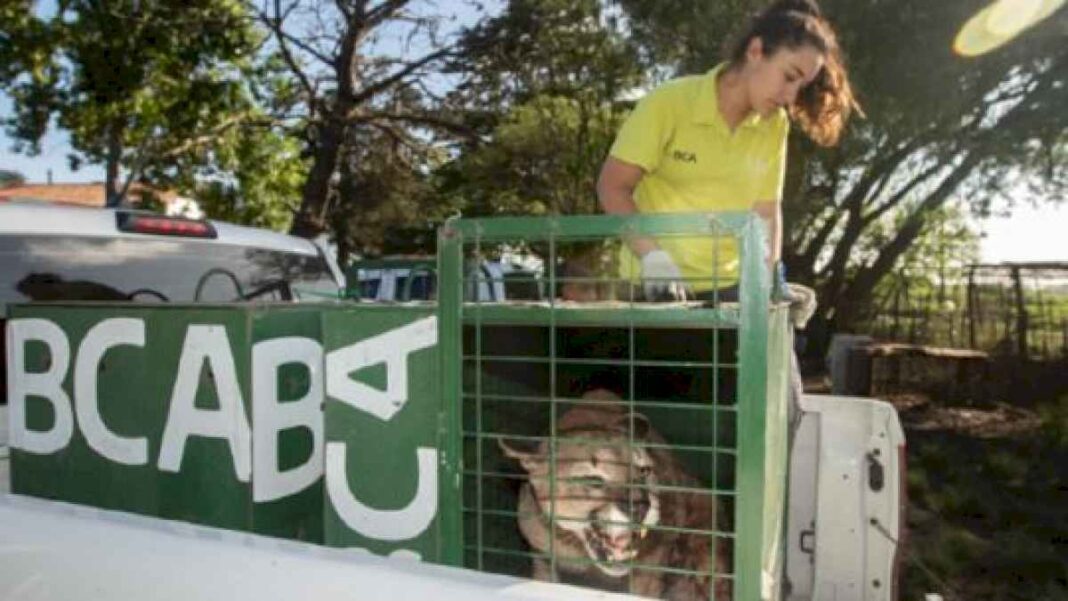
(1028, 234)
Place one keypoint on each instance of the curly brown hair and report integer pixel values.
(823, 106)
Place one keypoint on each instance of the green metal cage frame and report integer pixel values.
(763, 338)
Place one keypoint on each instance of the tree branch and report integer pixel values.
(372, 90)
(275, 25)
(343, 8)
(422, 119)
(308, 48)
(383, 12)
(211, 135)
(896, 198)
(401, 138)
(867, 277)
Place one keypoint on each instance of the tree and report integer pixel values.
(11, 178)
(141, 85)
(386, 201)
(929, 279)
(542, 159)
(254, 179)
(362, 69)
(939, 128)
(542, 83)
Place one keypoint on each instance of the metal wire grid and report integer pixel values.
(488, 524)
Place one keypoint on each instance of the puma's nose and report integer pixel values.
(621, 540)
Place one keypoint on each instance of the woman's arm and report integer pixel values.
(771, 212)
(615, 192)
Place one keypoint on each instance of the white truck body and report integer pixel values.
(846, 500)
(845, 512)
(53, 551)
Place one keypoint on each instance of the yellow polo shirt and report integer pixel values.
(693, 162)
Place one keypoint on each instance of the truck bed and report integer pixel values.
(56, 551)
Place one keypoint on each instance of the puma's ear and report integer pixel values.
(527, 452)
(641, 425)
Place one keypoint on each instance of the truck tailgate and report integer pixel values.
(846, 500)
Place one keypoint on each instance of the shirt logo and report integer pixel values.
(684, 156)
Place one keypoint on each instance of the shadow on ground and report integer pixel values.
(988, 500)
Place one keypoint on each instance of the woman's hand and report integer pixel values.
(661, 278)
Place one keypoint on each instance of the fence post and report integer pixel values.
(972, 308)
(1021, 313)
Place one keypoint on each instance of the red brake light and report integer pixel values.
(165, 226)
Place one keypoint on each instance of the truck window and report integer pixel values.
(55, 268)
(424, 286)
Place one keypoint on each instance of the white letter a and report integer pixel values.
(206, 343)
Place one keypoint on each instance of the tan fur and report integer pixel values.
(604, 451)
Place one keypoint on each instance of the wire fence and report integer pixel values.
(1015, 310)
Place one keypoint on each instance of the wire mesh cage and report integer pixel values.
(605, 440)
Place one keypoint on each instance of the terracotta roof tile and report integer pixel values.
(89, 194)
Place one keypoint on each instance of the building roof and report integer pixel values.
(85, 194)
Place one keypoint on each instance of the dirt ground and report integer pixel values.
(988, 500)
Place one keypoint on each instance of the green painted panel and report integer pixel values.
(261, 467)
(296, 515)
(753, 415)
(779, 350)
(134, 386)
(382, 419)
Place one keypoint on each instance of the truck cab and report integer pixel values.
(414, 278)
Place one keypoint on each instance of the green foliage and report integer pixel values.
(255, 179)
(569, 48)
(931, 273)
(543, 82)
(144, 85)
(385, 203)
(686, 35)
(948, 243)
(543, 158)
(11, 178)
(1055, 422)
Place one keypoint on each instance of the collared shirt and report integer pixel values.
(694, 162)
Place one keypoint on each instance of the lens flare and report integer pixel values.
(1000, 22)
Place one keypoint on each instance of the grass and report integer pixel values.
(988, 505)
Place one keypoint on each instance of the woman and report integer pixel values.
(717, 142)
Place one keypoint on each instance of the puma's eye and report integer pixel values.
(589, 481)
(644, 471)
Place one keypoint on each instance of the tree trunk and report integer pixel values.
(310, 219)
(113, 196)
(859, 291)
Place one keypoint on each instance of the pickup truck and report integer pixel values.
(292, 435)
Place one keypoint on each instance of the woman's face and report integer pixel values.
(774, 81)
